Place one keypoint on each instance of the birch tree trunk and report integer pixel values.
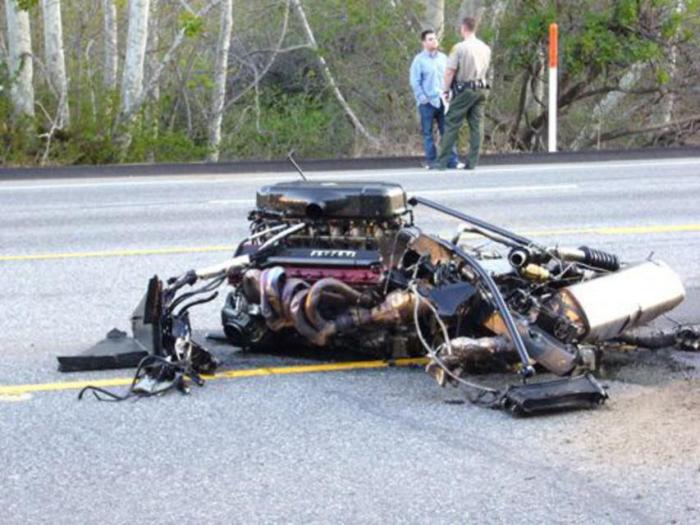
(329, 77)
(152, 51)
(136, 40)
(19, 42)
(664, 112)
(151, 111)
(55, 58)
(220, 75)
(110, 60)
(434, 16)
(137, 101)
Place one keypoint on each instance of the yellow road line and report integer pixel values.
(623, 230)
(14, 390)
(116, 253)
(617, 230)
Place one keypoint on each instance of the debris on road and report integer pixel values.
(333, 265)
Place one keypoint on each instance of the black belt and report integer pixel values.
(470, 84)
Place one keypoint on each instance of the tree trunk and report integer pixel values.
(152, 108)
(434, 16)
(110, 62)
(329, 77)
(220, 75)
(137, 101)
(151, 63)
(136, 40)
(21, 66)
(607, 107)
(55, 58)
(664, 111)
(473, 8)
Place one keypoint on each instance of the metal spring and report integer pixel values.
(600, 259)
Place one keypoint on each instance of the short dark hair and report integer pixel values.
(469, 23)
(426, 33)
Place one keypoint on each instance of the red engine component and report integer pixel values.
(356, 276)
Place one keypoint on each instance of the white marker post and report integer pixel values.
(553, 59)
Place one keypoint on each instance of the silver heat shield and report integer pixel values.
(631, 297)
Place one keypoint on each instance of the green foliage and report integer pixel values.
(368, 45)
(526, 36)
(192, 24)
(166, 146)
(314, 127)
(26, 5)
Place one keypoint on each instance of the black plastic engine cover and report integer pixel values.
(333, 200)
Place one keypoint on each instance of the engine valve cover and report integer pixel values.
(332, 200)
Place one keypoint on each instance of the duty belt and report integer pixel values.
(470, 84)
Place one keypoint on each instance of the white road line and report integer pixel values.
(363, 174)
(502, 189)
(251, 201)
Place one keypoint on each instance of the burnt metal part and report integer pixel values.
(332, 200)
(500, 304)
(451, 297)
(688, 338)
(332, 265)
(561, 394)
(683, 337)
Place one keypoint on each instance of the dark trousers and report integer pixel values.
(430, 115)
(468, 104)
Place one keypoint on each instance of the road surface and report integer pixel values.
(363, 445)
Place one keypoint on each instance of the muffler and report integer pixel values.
(605, 307)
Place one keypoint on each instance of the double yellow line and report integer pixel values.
(22, 390)
(619, 230)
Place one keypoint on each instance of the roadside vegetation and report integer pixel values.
(106, 81)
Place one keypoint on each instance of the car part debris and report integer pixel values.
(332, 265)
(561, 394)
(682, 337)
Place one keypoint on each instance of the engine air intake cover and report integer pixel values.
(332, 200)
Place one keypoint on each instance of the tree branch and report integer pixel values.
(612, 135)
(331, 80)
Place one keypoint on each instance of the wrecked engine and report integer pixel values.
(346, 280)
(336, 283)
(343, 265)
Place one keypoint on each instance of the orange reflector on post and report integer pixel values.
(553, 51)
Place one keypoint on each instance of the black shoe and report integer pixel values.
(468, 166)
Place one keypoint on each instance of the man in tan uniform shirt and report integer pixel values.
(465, 80)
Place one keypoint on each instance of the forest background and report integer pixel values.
(105, 81)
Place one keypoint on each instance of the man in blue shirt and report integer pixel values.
(427, 72)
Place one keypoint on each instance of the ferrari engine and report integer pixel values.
(331, 283)
(360, 274)
(343, 265)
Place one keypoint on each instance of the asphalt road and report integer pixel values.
(356, 446)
